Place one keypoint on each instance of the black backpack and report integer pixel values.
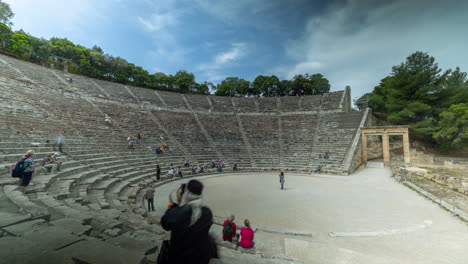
(18, 169)
(227, 230)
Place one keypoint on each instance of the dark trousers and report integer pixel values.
(158, 175)
(151, 204)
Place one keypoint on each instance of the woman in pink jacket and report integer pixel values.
(247, 235)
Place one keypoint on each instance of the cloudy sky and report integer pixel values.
(354, 42)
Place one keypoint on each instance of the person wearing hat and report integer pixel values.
(29, 164)
(56, 161)
(189, 222)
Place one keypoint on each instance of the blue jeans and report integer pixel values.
(253, 244)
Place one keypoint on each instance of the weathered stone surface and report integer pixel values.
(145, 245)
(96, 251)
(22, 228)
(52, 238)
(20, 250)
(75, 226)
(7, 219)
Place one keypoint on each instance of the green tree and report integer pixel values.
(453, 128)
(455, 89)
(20, 45)
(233, 86)
(266, 85)
(6, 14)
(284, 88)
(204, 88)
(184, 81)
(309, 84)
(41, 50)
(5, 36)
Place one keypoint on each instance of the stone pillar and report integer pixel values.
(386, 148)
(364, 147)
(406, 147)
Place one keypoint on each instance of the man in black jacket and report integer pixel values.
(189, 222)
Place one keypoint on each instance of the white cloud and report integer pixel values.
(158, 22)
(237, 51)
(358, 42)
(211, 71)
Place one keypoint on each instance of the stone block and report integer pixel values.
(22, 228)
(24, 251)
(96, 251)
(52, 238)
(75, 226)
(145, 245)
(7, 219)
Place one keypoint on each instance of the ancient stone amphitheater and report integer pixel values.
(92, 211)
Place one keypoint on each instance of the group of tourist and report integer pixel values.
(163, 148)
(131, 142)
(189, 222)
(244, 237)
(25, 167)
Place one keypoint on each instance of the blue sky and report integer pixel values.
(354, 42)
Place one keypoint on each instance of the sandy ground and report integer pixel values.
(376, 219)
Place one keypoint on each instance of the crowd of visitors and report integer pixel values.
(163, 148)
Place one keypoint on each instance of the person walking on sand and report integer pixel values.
(281, 179)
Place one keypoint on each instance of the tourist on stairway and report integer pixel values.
(189, 222)
(149, 196)
(29, 165)
(59, 143)
(158, 172)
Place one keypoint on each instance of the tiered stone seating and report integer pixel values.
(116, 90)
(5, 68)
(222, 104)
(81, 83)
(290, 103)
(268, 104)
(172, 100)
(198, 103)
(331, 101)
(246, 105)
(146, 95)
(310, 103)
(256, 127)
(334, 135)
(225, 132)
(188, 133)
(298, 132)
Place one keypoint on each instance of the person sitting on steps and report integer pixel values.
(57, 161)
(229, 229)
(247, 235)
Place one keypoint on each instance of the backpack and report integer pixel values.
(227, 230)
(18, 169)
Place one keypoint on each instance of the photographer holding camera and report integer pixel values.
(189, 222)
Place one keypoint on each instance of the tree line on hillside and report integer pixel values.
(433, 102)
(62, 54)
